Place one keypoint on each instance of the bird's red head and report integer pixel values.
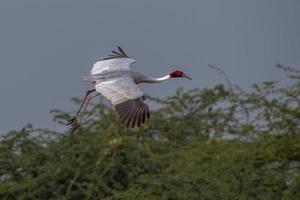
(179, 74)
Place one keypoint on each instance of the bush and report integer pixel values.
(214, 143)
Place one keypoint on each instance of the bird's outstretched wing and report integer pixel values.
(118, 60)
(127, 98)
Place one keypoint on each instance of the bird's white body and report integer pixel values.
(114, 79)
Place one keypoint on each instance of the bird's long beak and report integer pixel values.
(186, 76)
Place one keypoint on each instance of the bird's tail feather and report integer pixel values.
(86, 78)
(89, 79)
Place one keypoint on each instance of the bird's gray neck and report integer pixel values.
(155, 80)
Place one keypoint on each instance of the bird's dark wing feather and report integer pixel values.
(117, 54)
(133, 112)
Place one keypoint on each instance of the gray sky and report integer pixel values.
(46, 46)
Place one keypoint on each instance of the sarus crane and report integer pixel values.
(113, 78)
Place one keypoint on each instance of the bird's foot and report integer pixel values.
(73, 123)
(70, 121)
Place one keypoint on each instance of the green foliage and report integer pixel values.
(213, 143)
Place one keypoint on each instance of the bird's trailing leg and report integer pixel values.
(84, 107)
(75, 120)
(70, 121)
(84, 99)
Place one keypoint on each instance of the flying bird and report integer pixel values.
(113, 78)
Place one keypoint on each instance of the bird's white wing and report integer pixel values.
(111, 64)
(127, 98)
(119, 90)
(118, 60)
